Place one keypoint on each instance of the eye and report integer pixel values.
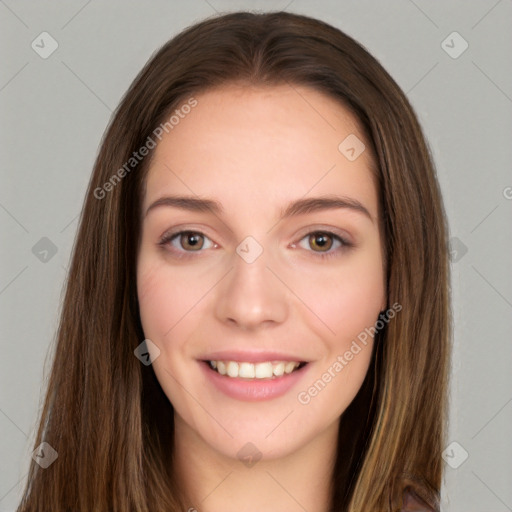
(182, 243)
(186, 241)
(323, 241)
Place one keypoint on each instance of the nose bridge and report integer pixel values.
(251, 295)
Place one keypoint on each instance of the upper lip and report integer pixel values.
(250, 357)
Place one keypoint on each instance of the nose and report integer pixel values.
(251, 296)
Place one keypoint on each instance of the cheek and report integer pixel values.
(161, 299)
(333, 386)
(170, 300)
(155, 302)
(349, 304)
(346, 298)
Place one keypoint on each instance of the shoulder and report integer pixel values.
(413, 503)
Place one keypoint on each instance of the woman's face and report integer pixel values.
(268, 274)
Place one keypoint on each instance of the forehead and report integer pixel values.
(250, 146)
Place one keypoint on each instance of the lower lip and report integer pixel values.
(253, 390)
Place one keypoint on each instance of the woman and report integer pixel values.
(257, 311)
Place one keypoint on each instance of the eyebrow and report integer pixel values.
(295, 208)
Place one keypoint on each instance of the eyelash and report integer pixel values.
(345, 244)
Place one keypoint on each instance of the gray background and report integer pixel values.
(54, 112)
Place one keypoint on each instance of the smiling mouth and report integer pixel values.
(255, 371)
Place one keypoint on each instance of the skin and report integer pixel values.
(256, 149)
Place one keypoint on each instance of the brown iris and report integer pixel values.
(191, 241)
(321, 240)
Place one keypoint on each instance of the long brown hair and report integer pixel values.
(105, 413)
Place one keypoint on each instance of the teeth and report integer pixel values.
(221, 367)
(246, 370)
(289, 367)
(278, 369)
(232, 369)
(264, 370)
